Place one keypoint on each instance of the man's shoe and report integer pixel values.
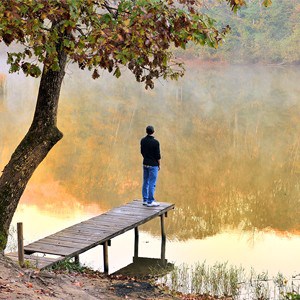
(144, 202)
(153, 204)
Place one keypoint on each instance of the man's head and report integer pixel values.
(149, 129)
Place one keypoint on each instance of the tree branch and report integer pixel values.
(110, 9)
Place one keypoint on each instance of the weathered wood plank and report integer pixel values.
(93, 230)
(122, 220)
(103, 223)
(99, 223)
(112, 217)
(94, 233)
(82, 227)
(140, 209)
(39, 262)
(59, 244)
(76, 239)
(127, 216)
(138, 204)
(74, 234)
(71, 237)
(70, 233)
(50, 249)
(64, 243)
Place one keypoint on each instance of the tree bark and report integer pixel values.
(42, 135)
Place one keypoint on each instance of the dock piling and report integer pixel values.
(20, 244)
(99, 230)
(163, 237)
(76, 259)
(136, 242)
(105, 256)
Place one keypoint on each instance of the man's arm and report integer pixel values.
(141, 146)
(158, 156)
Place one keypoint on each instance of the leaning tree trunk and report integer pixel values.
(41, 137)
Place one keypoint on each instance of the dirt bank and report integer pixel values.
(17, 283)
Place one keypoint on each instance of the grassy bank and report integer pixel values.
(230, 282)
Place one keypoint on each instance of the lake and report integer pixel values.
(230, 143)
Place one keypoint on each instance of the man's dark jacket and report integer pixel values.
(150, 151)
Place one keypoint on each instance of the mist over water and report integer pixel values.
(230, 138)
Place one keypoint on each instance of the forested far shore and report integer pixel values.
(258, 34)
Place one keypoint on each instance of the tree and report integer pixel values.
(95, 34)
(258, 34)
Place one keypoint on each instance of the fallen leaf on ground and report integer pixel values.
(77, 283)
(20, 274)
(6, 288)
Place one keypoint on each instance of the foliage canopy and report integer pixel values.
(101, 34)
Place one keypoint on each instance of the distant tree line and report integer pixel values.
(258, 34)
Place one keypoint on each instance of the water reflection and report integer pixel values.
(143, 267)
(230, 140)
(230, 144)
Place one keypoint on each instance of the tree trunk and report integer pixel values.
(41, 137)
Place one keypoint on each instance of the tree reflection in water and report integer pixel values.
(230, 140)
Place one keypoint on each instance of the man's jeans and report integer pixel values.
(149, 183)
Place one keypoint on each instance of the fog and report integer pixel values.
(229, 139)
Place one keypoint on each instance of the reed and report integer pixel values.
(231, 282)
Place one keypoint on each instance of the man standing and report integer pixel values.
(151, 165)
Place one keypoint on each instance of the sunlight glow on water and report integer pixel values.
(264, 251)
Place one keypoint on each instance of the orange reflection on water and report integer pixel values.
(46, 208)
(282, 233)
(52, 198)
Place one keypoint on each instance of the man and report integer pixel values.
(151, 164)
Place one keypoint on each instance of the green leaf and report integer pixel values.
(38, 7)
(14, 68)
(117, 72)
(107, 18)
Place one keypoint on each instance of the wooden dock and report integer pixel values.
(99, 230)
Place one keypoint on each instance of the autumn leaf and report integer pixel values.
(140, 35)
(20, 274)
(267, 3)
(95, 74)
(78, 284)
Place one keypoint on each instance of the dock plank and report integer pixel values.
(85, 235)
(39, 262)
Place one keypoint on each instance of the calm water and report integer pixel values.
(230, 139)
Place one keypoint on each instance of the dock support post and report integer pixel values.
(136, 242)
(162, 225)
(20, 244)
(163, 250)
(163, 238)
(76, 258)
(105, 256)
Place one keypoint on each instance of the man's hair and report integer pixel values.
(150, 129)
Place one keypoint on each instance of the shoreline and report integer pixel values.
(23, 283)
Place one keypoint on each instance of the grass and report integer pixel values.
(221, 280)
(70, 266)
